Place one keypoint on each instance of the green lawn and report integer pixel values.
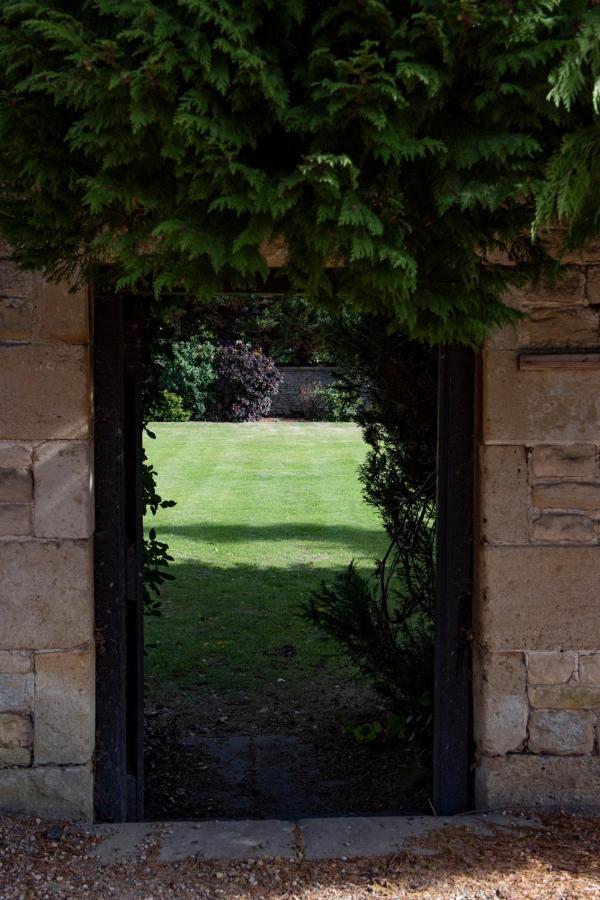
(264, 512)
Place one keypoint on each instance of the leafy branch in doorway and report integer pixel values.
(157, 332)
(156, 553)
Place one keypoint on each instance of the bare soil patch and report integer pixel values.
(218, 756)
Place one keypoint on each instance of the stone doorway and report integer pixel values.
(119, 766)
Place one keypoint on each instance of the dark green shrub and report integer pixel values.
(168, 407)
(187, 370)
(398, 378)
(335, 405)
(385, 623)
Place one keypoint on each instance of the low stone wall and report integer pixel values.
(295, 397)
(537, 608)
(46, 527)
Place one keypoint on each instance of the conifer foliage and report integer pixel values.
(388, 143)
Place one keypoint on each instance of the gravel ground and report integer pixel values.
(560, 859)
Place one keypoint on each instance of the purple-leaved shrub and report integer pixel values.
(246, 382)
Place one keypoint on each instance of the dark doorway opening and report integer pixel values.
(119, 782)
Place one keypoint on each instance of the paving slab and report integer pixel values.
(250, 839)
(121, 841)
(315, 838)
(332, 838)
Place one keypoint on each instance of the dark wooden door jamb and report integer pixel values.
(118, 548)
(454, 573)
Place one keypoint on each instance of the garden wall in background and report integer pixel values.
(537, 602)
(46, 526)
(295, 398)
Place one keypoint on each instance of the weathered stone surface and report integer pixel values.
(566, 291)
(501, 708)
(120, 842)
(561, 731)
(538, 407)
(16, 282)
(538, 597)
(589, 668)
(15, 662)
(16, 693)
(566, 495)
(15, 731)
(593, 285)
(15, 519)
(505, 338)
(15, 455)
(566, 461)
(555, 240)
(63, 490)
(64, 707)
(56, 793)
(564, 696)
(46, 594)
(16, 485)
(530, 781)
(52, 384)
(560, 328)
(361, 836)
(14, 756)
(504, 494)
(60, 315)
(16, 318)
(564, 528)
(321, 838)
(550, 668)
(229, 840)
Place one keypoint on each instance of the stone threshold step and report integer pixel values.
(317, 838)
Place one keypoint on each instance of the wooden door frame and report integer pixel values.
(118, 559)
(453, 707)
(118, 792)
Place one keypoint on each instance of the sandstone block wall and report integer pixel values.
(46, 527)
(537, 600)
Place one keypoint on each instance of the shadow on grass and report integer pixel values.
(209, 584)
(222, 620)
(226, 589)
(358, 539)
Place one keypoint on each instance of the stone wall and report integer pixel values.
(46, 527)
(537, 603)
(537, 606)
(295, 398)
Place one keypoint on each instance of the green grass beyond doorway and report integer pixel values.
(264, 512)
